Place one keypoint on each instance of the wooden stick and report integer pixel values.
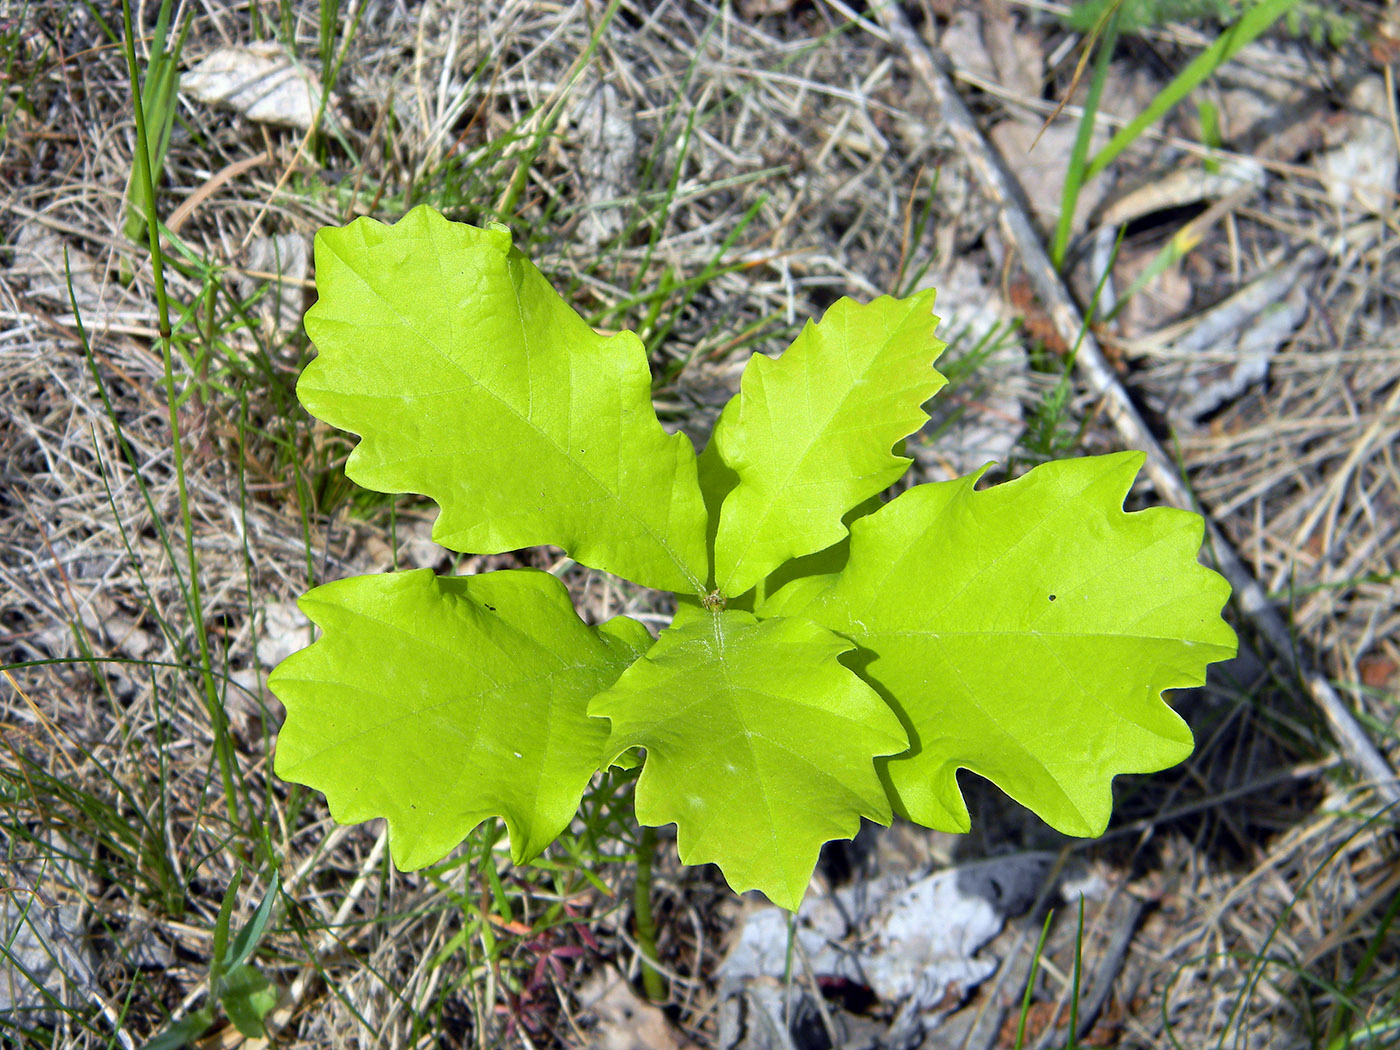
(1013, 214)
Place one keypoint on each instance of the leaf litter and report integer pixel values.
(1255, 852)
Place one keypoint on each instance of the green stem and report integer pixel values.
(652, 981)
(505, 207)
(146, 187)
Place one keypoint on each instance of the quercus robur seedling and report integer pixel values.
(1025, 631)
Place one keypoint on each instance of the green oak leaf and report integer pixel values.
(437, 702)
(760, 745)
(470, 381)
(1026, 632)
(812, 433)
(831, 657)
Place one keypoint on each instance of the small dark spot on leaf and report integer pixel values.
(1052, 597)
(493, 608)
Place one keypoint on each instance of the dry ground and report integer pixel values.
(715, 175)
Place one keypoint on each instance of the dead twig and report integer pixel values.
(1013, 213)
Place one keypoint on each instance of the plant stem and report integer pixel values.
(145, 180)
(652, 980)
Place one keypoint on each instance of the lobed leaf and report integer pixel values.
(1026, 633)
(760, 745)
(809, 435)
(437, 702)
(470, 381)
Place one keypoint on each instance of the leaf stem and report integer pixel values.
(652, 981)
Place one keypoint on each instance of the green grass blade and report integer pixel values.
(506, 206)
(1250, 25)
(218, 963)
(145, 179)
(245, 941)
(157, 106)
(1030, 980)
(1077, 173)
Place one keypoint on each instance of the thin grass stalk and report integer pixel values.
(1339, 1030)
(146, 186)
(713, 268)
(158, 102)
(905, 283)
(1076, 174)
(1075, 978)
(505, 207)
(331, 60)
(1261, 956)
(677, 156)
(1029, 990)
(329, 12)
(1251, 24)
